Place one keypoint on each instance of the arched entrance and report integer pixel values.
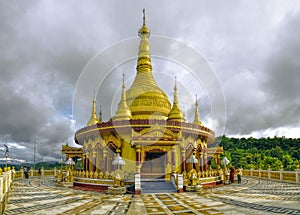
(154, 165)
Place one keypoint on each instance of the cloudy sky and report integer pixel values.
(252, 47)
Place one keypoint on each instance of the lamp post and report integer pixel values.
(70, 162)
(118, 161)
(225, 161)
(192, 159)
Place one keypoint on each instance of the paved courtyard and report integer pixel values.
(253, 196)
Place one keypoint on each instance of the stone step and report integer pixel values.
(158, 187)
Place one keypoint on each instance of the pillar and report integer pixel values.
(179, 183)
(91, 162)
(218, 161)
(204, 161)
(94, 161)
(86, 161)
(173, 159)
(183, 160)
(98, 160)
(138, 159)
(104, 163)
(137, 184)
(201, 161)
(83, 161)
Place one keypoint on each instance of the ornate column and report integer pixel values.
(94, 161)
(86, 162)
(201, 161)
(138, 159)
(173, 159)
(83, 161)
(104, 164)
(218, 161)
(91, 162)
(183, 160)
(98, 165)
(204, 161)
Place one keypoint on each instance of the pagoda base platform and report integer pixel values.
(116, 190)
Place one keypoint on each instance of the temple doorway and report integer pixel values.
(154, 165)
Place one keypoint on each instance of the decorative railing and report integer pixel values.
(6, 179)
(104, 175)
(35, 173)
(281, 175)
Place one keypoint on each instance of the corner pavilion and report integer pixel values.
(148, 133)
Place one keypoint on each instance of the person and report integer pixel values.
(239, 174)
(26, 172)
(40, 173)
(231, 177)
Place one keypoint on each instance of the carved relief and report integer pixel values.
(157, 131)
(145, 149)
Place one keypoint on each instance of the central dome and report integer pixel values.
(144, 98)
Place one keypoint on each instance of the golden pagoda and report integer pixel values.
(149, 135)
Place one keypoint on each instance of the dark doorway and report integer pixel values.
(154, 165)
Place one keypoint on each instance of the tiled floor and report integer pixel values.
(253, 196)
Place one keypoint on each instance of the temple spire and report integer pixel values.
(196, 117)
(144, 60)
(93, 120)
(123, 112)
(176, 114)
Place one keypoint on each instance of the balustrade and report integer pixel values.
(288, 176)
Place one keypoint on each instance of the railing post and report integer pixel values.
(251, 171)
(137, 184)
(297, 171)
(269, 171)
(1, 192)
(179, 183)
(22, 172)
(281, 173)
(259, 172)
(7, 182)
(31, 171)
(55, 171)
(13, 173)
(43, 171)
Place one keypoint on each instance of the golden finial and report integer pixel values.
(144, 30)
(123, 112)
(93, 120)
(123, 82)
(176, 114)
(144, 17)
(196, 117)
(144, 60)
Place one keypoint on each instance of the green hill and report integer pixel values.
(262, 152)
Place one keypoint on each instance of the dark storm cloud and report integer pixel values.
(268, 97)
(45, 45)
(283, 72)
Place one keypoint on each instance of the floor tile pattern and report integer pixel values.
(252, 196)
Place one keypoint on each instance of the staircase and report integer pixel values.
(158, 187)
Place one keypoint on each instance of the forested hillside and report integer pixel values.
(252, 152)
